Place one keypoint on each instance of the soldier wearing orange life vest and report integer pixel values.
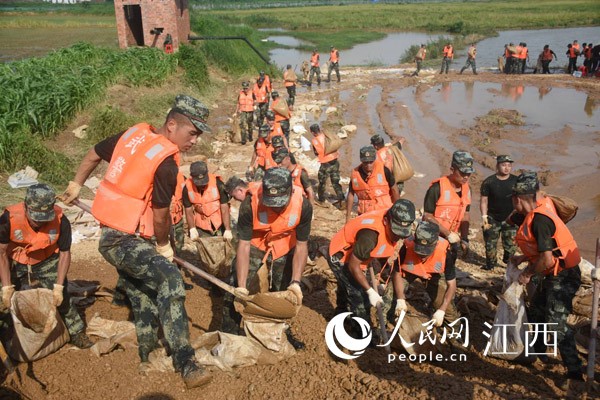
(245, 107)
(35, 252)
(283, 158)
(274, 227)
(261, 158)
(282, 119)
(448, 53)
(275, 127)
(315, 67)
(267, 79)
(238, 189)
(385, 156)
(206, 203)
(330, 166)
(551, 253)
(334, 63)
(133, 206)
(372, 183)
(260, 93)
(370, 236)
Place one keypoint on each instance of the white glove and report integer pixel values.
(374, 297)
(596, 274)
(57, 294)
(295, 288)
(453, 237)
(438, 317)
(194, 234)
(7, 293)
(70, 193)
(227, 235)
(241, 292)
(166, 251)
(400, 306)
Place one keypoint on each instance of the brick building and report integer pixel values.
(148, 22)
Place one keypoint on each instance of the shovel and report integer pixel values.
(382, 327)
(594, 328)
(271, 305)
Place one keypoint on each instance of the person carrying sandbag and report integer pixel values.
(35, 252)
(330, 166)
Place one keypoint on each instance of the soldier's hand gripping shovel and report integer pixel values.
(380, 317)
(277, 305)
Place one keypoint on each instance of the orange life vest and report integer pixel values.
(261, 152)
(523, 53)
(507, 53)
(260, 93)
(587, 53)
(450, 209)
(296, 178)
(123, 198)
(27, 246)
(269, 162)
(547, 55)
(314, 60)
(246, 102)
(572, 53)
(272, 232)
(319, 144)
(287, 82)
(435, 263)
(344, 240)
(448, 51)
(207, 206)
(333, 56)
(374, 194)
(576, 47)
(276, 131)
(385, 157)
(565, 244)
(177, 200)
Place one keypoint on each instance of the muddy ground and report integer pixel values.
(377, 101)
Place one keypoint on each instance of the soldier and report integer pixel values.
(206, 203)
(274, 126)
(419, 59)
(238, 189)
(448, 202)
(315, 67)
(279, 238)
(261, 157)
(283, 159)
(373, 184)
(289, 81)
(267, 78)
(448, 53)
(552, 254)
(282, 118)
(370, 236)
(330, 167)
(245, 107)
(471, 54)
(384, 155)
(334, 63)
(495, 206)
(260, 93)
(35, 252)
(132, 205)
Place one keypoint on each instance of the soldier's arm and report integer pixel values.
(64, 247)
(162, 225)
(449, 295)
(299, 260)
(483, 205)
(64, 262)
(87, 166)
(4, 265)
(394, 193)
(397, 280)
(357, 274)
(349, 204)
(464, 226)
(225, 216)
(189, 217)
(242, 262)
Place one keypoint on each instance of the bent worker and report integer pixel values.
(132, 205)
(552, 254)
(329, 167)
(373, 184)
(370, 236)
(334, 63)
(283, 159)
(35, 252)
(206, 204)
(274, 226)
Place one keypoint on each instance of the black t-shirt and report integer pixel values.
(245, 220)
(432, 196)
(366, 240)
(304, 180)
(543, 229)
(165, 178)
(449, 269)
(64, 237)
(498, 193)
(224, 197)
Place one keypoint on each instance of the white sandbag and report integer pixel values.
(305, 144)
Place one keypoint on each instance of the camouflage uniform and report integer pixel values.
(262, 112)
(491, 236)
(246, 119)
(329, 170)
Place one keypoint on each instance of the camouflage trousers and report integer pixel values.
(350, 295)
(552, 303)
(469, 63)
(329, 170)
(291, 90)
(246, 119)
(280, 276)
(43, 275)
(445, 65)
(333, 67)
(490, 236)
(155, 289)
(313, 71)
(285, 128)
(262, 112)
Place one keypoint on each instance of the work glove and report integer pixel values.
(70, 193)
(57, 294)
(194, 234)
(374, 297)
(7, 293)
(400, 306)
(464, 245)
(241, 292)
(453, 237)
(227, 235)
(297, 291)
(438, 317)
(486, 222)
(166, 251)
(596, 274)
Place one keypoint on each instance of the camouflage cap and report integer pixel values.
(274, 94)
(194, 109)
(39, 202)
(264, 131)
(401, 216)
(315, 128)
(276, 187)
(245, 85)
(527, 183)
(368, 154)
(199, 173)
(233, 183)
(261, 73)
(277, 141)
(376, 140)
(426, 237)
(503, 158)
(270, 114)
(463, 161)
(280, 154)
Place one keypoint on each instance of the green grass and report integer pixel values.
(342, 39)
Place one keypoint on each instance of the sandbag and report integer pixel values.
(38, 328)
(332, 142)
(215, 255)
(566, 208)
(281, 108)
(402, 169)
